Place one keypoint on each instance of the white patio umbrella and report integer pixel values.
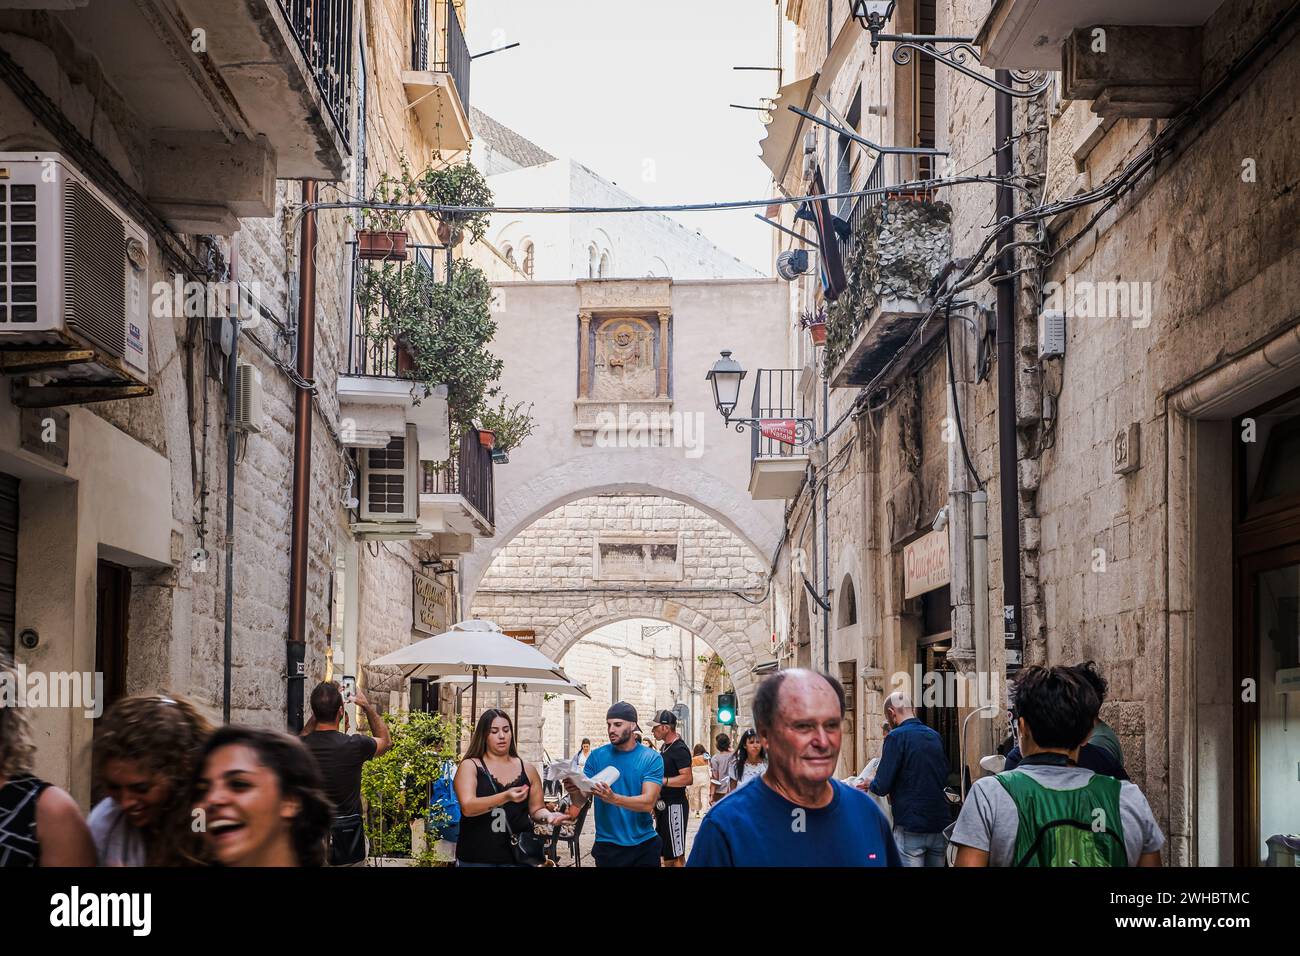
(560, 688)
(473, 650)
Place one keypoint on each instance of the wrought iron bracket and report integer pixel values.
(805, 429)
(1025, 83)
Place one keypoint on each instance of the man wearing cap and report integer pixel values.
(673, 805)
(625, 830)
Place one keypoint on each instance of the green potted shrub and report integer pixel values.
(382, 237)
(460, 184)
(396, 785)
(509, 425)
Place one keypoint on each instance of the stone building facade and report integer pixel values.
(1137, 546)
(118, 553)
(594, 563)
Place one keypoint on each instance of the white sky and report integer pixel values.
(638, 91)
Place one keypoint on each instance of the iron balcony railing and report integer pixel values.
(323, 30)
(889, 169)
(369, 353)
(439, 44)
(776, 395)
(467, 473)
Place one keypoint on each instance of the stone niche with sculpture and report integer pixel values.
(624, 363)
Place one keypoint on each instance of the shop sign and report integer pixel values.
(926, 564)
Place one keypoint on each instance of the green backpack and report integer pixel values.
(1063, 827)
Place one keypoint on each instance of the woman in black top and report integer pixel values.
(493, 783)
(40, 825)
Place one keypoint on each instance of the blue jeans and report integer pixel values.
(920, 849)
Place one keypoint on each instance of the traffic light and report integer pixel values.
(727, 709)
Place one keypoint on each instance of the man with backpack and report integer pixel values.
(1071, 815)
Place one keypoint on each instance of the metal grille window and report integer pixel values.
(420, 34)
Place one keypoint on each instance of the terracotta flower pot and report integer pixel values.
(818, 330)
(486, 438)
(381, 246)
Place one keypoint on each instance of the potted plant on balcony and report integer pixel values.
(509, 425)
(382, 237)
(459, 184)
(443, 327)
(815, 322)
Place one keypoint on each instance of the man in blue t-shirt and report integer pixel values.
(795, 814)
(625, 828)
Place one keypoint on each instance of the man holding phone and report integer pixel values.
(340, 756)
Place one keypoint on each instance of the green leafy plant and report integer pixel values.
(444, 327)
(402, 189)
(396, 784)
(511, 424)
(460, 184)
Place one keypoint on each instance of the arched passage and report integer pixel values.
(738, 637)
(519, 504)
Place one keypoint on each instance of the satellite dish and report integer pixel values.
(792, 264)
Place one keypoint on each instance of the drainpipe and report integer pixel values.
(232, 441)
(296, 640)
(979, 532)
(1008, 483)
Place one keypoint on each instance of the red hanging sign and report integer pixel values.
(781, 429)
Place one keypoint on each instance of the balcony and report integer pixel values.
(1149, 67)
(377, 398)
(899, 242)
(437, 84)
(218, 98)
(456, 495)
(776, 468)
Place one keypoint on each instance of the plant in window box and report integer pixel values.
(443, 328)
(815, 322)
(460, 184)
(382, 237)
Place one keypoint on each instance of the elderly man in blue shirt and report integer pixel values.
(912, 774)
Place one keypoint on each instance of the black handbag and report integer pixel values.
(347, 840)
(527, 848)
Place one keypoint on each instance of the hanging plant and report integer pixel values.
(509, 424)
(457, 185)
(443, 327)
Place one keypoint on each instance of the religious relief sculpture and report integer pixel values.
(623, 365)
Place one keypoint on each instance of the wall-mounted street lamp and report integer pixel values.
(872, 15)
(725, 377)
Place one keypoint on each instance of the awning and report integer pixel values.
(781, 143)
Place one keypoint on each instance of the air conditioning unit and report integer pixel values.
(389, 480)
(249, 416)
(77, 270)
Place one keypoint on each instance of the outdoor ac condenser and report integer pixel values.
(75, 267)
(389, 488)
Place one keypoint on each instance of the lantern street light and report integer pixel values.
(872, 15)
(725, 377)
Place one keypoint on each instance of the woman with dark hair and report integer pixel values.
(40, 825)
(751, 760)
(146, 751)
(262, 800)
(494, 784)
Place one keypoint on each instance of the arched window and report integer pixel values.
(528, 259)
(604, 265)
(593, 262)
(508, 252)
(847, 612)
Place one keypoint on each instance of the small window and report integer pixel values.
(528, 260)
(604, 265)
(847, 613)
